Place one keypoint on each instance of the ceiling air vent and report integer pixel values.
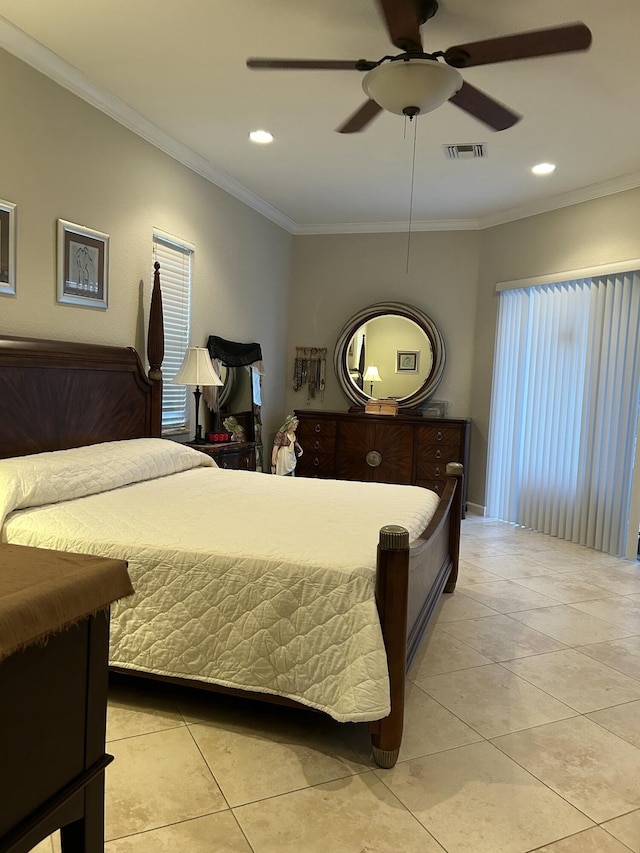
(466, 151)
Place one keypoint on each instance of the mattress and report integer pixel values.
(241, 579)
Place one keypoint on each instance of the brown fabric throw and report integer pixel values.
(43, 592)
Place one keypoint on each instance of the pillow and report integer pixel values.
(61, 475)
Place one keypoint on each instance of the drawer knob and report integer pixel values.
(317, 427)
(373, 458)
(438, 454)
(316, 446)
(316, 461)
(439, 436)
(437, 472)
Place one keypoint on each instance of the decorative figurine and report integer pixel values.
(237, 432)
(286, 448)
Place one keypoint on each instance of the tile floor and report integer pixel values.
(522, 732)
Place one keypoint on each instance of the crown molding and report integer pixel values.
(35, 54)
(390, 227)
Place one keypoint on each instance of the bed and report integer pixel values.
(304, 592)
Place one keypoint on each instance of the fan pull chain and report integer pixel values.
(413, 175)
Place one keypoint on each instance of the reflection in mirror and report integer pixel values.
(241, 368)
(390, 350)
(401, 372)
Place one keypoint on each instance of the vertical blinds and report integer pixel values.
(175, 276)
(564, 411)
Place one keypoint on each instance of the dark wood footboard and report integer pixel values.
(409, 582)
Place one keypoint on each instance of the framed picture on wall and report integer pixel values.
(408, 361)
(83, 258)
(7, 247)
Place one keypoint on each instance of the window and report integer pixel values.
(174, 257)
(564, 408)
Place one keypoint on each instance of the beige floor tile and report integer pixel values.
(594, 840)
(570, 626)
(623, 655)
(622, 611)
(429, 728)
(280, 752)
(611, 581)
(622, 720)
(493, 700)
(566, 588)
(509, 566)
(507, 596)
(626, 829)
(591, 768)
(442, 652)
(501, 637)
(155, 780)
(459, 606)
(468, 573)
(352, 815)
(476, 800)
(577, 680)
(134, 709)
(218, 832)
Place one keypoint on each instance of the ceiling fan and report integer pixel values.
(415, 82)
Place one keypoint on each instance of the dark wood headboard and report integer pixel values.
(56, 394)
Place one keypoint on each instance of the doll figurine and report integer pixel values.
(286, 449)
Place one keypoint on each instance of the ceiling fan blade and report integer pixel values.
(520, 46)
(313, 64)
(486, 109)
(361, 118)
(403, 23)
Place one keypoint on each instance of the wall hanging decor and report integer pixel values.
(7, 247)
(310, 369)
(83, 256)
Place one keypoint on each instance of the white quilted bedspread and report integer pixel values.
(247, 580)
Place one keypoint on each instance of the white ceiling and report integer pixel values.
(175, 72)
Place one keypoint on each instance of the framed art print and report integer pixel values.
(83, 256)
(7, 247)
(408, 361)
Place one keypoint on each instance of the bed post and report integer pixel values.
(391, 596)
(155, 352)
(455, 469)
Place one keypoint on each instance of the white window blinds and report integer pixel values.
(564, 409)
(174, 258)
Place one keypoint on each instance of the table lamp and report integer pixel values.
(196, 369)
(371, 375)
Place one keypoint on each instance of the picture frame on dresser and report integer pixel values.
(83, 265)
(7, 248)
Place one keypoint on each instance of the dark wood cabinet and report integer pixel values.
(239, 455)
(405, 449)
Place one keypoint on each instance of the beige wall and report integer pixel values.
(61, 158)
(452, 277)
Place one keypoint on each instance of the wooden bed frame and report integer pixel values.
(56, 395)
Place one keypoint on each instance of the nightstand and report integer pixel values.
(54, 695)
(238, 455)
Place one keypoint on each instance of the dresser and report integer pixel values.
(239, 455)
(405, 449)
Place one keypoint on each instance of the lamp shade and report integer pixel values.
(405, 85)
(371, 374)
(196, 369)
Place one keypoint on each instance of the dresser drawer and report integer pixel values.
(310, 428)
(433, 470)
(312, 464)
(317, 443)
(438, 454)
(439, 435)
(436, 486)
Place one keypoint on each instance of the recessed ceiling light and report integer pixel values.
(261, 136)
(543, 169)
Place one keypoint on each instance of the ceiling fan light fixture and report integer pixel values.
(543, 168)
(262, 137)
(403, 86)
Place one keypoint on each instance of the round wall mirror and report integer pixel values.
(390, 350)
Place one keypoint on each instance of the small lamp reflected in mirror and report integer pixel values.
(196, 369)
(371, 375)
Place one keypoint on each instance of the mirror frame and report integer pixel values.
(397, 309)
